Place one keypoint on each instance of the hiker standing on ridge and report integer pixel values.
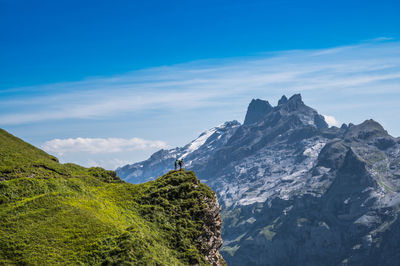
(176, 164)
(180, 164)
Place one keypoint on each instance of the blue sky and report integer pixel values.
(113, 81)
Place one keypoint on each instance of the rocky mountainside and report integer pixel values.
(195, 154)
(294, 191)
(64, 214)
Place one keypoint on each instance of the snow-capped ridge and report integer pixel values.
(197, 143)
(204, 137)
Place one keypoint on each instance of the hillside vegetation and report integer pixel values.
(52, 213)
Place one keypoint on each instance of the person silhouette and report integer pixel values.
(176, 164)
(180, 164)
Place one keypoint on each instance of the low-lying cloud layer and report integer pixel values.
(99, 145)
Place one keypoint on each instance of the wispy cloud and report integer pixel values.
(364, 67)
(350, 83)
(383, 38)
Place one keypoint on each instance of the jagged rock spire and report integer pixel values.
(256, 111)
(283, 100)
(293, 104)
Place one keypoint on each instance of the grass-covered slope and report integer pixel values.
(52, 213)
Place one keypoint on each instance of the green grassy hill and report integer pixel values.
(52, 213)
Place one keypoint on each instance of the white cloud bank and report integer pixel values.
(331, 121)
(99, 145)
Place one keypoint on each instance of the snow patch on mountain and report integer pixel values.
(197, 143)
(273, 172)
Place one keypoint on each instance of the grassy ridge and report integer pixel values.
(53, 213)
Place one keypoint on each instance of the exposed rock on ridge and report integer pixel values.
(256, 111)
(210, 241)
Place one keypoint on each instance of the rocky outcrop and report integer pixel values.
(195, 207)
(256, 111)
(210, 241)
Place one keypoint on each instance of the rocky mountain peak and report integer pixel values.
(292, 111)
(293, 104)
(367, 130)
(257, 110)
(372, 124)
(296, 99)
(229, 124)
(283, 100)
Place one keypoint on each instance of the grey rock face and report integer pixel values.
(210, 241)
(292, 190)
(283, 100)
(256, 111)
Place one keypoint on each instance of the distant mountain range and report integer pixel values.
(294, 191)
